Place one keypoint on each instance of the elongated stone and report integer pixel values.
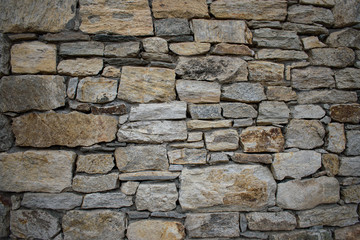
(80, 67)
(344, 38)
(265, 72)
(155, 229)
(130, 187)
(310, 15)
(347, 113)
(280, 93)
(190, 48)
(205, 111)
(243, 92)
(222, 140)
(82, 49)
(313, 29)
(95, 163)
(199, 144)
(332, 57)
(336, 140)
(158, 111)
(272, 112)
(307, 111)
(312, 78)
(97, 90)
(238, 110)
(125, 49)
(198, 92)
(252, 158)
(268, 221)
(312, 42)
(232, 49)
(67, 36)
(206, 125)
(280, 55)
(97, 183)
(349, 166)
(323, 3)
(262, 139)
(106, 200)
(327, 96)
(319, 234)
(187, 156)
(183, 9)
(149, 175)
(274, 38)
(348, 78)
(61, 201)
(155, 45)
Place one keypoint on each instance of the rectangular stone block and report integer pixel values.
(274, 38)
(312, 78)
(4, 55)
(106, 200)
(125, 49)
(327, 96)
(182, 9)
(271, 221)
(95, 183)
(206, 125)
(95, 163)
(82, 49)
(149, 176)
(61, 201)
(80, 67)
(262, 139)
(187, 156)
(158, 111)
(198, 92)
(222, 140)
(268, 73)
(97, 90)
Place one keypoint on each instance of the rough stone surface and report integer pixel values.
(97, 90)
(281, 55)
(95, 224)
(71, 88)
(280, 93)
(310, 14)
(348, 78)
(272, 112)
(252, 158)
(242, 188)
(312, 78)
(243, 92)
(6, 135)
(155, 45)
(125, 49)
(351, 194)
(222, 140)
(346, 113)
(323, 3)
(327, 96)
(149, 175)
(183, 9)
(219, 157)
(330, 163)
(82, 49)
(95, 163)
(332, 57)
(315, 29)
(106, 200)
(155, 229)
(346, 13)
(336, 138)
(80, 66)
(187, 156)
(274, 38)
(268, 221)
(37, 171)
(312, 42)
(198, 92)
(66, 36)
(205, 111)
(199, 144)
(158, 111)
(308, 111)
(130, 187)
(232, 49)
(61, 201)
(344, 38)
(72, 129)
(265, 72)
(97, 183)
(172, 27)
(348, 233)
(4, 55)
(318, 234)
(4, 218)
(206, 125)
(238, 110)
(349, 166)
(352, 143)
(190, 48)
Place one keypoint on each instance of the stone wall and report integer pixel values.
(164, 119)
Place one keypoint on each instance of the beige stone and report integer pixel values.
(111, 71)
(95, 163)
(262, 139)
(187, 156)
(348, 233)
(347, 113)
(280, 93)
(198, 91)
(222, 140)
(95, 183)
(149, 175)
(80, 67)
(97, 90)
(312, 42)
(346, 13)
(155, 45)
(312, 78)
(130, 187)
(323, 3)
(181, 9)
(308, 14)
(232, 49)
(155, 229)
(124, 49)
(190, 48)
(251, 158)
(327, 96)
(336, 139)
(265, 72)
(206, 125)
(271, 221)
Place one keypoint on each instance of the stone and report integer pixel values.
(4, 55)
(111, 71)
(71, 129)
(349, 166)
(38, 224)
(272, 112)
(238, 110)
(252, 158)
(97, 90)
(245, 122)
(95, 163)
(255, 234)
(82, 49)
(330, 163)
(171, 27)
(250, 9)
(348, 233)
(327, 96)
(230, 31)
(205, 111)
(218, 157)
(147, 84)
(206, 125)
(36, 171)
(212, 68)
(198, 92)
(262, 139)
(4, 219)
(149, 175)
(269, 221)
(308, 193)
(352, 143)
(187, 156)
(152, 131)
(27, 16)
(280, 93)
(280, 55)
(184, 9)
(346, 13)
(96, 183)
(80, 67)
(155, 45)
(308, 14)
(332, 57)
(22, 36)
(348, 78)
(274, 38)
(67, 36)
(243, 92)
(230, 187)
(336, 138)
(315, 29)
(124, 49)
(351, 194)
(194, 136)
(33, 57)
(322, 3)
(129, 187)
(120, 62)
(319, 234)
(94, 224)
(295, 164)
(112, 108)
(255, 24)
(330, 215)
(345, 113)
(106, 200)
(222, 140)
(212, 225)
(199, 144)
(72, 87)
(78, 106)
(156, 197)
(304, 134)
(61, 201)
(158, 111)
(312, 78)
(344, 38)
(266, 72)
(232, 49)
(161, 57)
(308, 111)
(171, 214)
(134, 158)
(155, 229)
(189, 48)
(294, 65)
(312, 42)
(6, 135)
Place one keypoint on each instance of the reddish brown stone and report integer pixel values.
(262, 139)
(349, 113)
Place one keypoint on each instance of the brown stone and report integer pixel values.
(190, 48)
(155, 229)
(252, 158)
(180, 9)
(97, 90)
(232, 49)
(95, 163)
(80, 66)
(262, 139)
(348, 233)
(348, 113)
(266, 72)
(280, 93)
(206, 125)
(115, 109)
(330, 163)
(351, 194)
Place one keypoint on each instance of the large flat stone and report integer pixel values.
(262, 139)
(222, 140)
(271, 221)
(95, 163)
(95, 183)
(332, 57)
(155, 229)
(230, 187)
(308, 14)
(80, 67)
(124, 49)
(327, 96)
(182, 9)
(346, 113)
(97, 90)
(268, 73)
(352, 143)
(37, 171)
(61, 201)
(4, 55)
(346, 13)
(281, 55)
(336, 140)
(106, 200)
(312, 77)
(190, 48)
(349, 166)
(348, 37)
(72, 129)
(187, 156)
(238, 110)
(273, 112)
(243, 92)
(158, 111)
(274, 38)
(6, 135)
(348, 78)
(198, 91)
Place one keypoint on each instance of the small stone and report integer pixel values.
(78, 106)
(138, 215)
(155, 229)
(252, 158)
(349, 166)
(112, 108)
(327, 96)
(61, 201)
(315, 29)
(23, 36)
(129, 187)
(194, 136)
(266, 221)
(245, 122)
(95, 163)
(149, 175)
(111, 71)
(171, 214)
(346, 113)
(348, 78)
(310, 15)
(352, 143)
(187, 156)
(158, 111)
(190, 48)
(238, 110)
(97, 90)
(262, 139)
(255, 234)
(222, 140)
(4, 55)
(183, 9)
(319, 234)
(172, 27)
(176, 168)
(312, 42)
(274, 38)
(199, 144)
(344, 38)
(82, 49)
(98, 183)
(156, 197)
(106, 200)
(232, 49)
(6, 135)
(219, 157)
(312, 78)
(308, 111)
(255, 24)
(279, 93)
(125, 49)
(346, 13)
(336, 138)
(351, 194)
(155, 44)
(280, 55)
(4, 219)
(322, 3)
(243, 92)
(205, 111)
(66, 36)
(80, 66)
(72, 87)
(161, 57)
(308, 193)
(332, 57)
(198, 92)
(348, 233)
(330, 163)
(267, 73)
(272, 112)
(206, 125)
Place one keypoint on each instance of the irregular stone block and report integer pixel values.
(222, 140)
(310, 15)
(327, 96)
(274, 38)
(95, 163)
(346, 13)
(206, 125)
(149, 175)
(199, 144)
(198, 92)
(72, 86)
(161, 57)
(124, 49)
(155, 229)
(262, 139)
(267, 73)
(243, 92)
(129, 188)
(183, 9)
(349, 166)
(98, 183)
(330, 163)
(106, 200)
(80, 66)
(344, 38)
(312, 78)
(4, 55)
(317, 29)
(158, 111)
(82, 49)
(281, 55)
(308, 111)
(272, 112)
(205, 111)
(4, 218)
(346, 113)
(319, 234)
(238, 110)
(336, 138)
(348, 78)
(352, 143)
(155, 45)
(232, 49)
(332, 57)
(279, 93)
(322, 3)
(251, 158)
(97, 90)
(245, 122)
(190, 48)
(111, 71)
(67, 36)
(172, 27)
(312, 42)
(351, 194)
(6, 135)
(271, 221)
(218, 157)
(348, 233)
(61, 201)
(187, 156)
(113, 108)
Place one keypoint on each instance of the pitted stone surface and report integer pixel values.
(262, 139)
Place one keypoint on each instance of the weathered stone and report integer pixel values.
(125, 49)
(222, 140)
(238, 110)
(82, 49)
(172, 27)
(183, 9)
(158, 111)
(332, 57)
(33, 57)
(38, 224)
(330, 163)
(190, 48)
(72, 87)
(61, 201)
(348, 233)
(22, 36)
(242, 188)
(344, 38)
(130, 187)
(254, 234)
(199, 144)
(308, 111)
(149, 175)
(336, 138)
(310, 15)
(155, 229)
(112, 108)
(212, 225)
(266, 72)
(155, 44)
(67, 36)
(348, 78)
(187, 156)
(273, 38)
(218, 157)
(27, 16)
(198, 92)
(262, 139)
(318, 234)
(348, 113)
(281, 55)
(327, 96)
(232, 49)
(6, 135)
(304, 134)
(294, 66)
(72, 129)
(206, 125)
(144, 85)
(171, 214)
(78, 106)
(314, 29)
(252, 158)
(349, 166)
(268, 221)
(250, 9)
(120, 62)
(308, 193)
(245, 122)
(95, 163)
(80, 66)
(346, 13)
(272, 112)
(295, 164)
(255, 24)
(351, 194)
(95, 224)
(231, 31)
(352, 143)
(279, 93)
(97, 90)
(333, 215)
(205, 111)
(243, 92)
(4, 55)
(134, 158)
(312, 42)
(322, 3)
(111, 71)
(98, 183)
(4, 218)
(106, 200)
(312, 78)
(161, 57)
(194, 136)
(37, 171)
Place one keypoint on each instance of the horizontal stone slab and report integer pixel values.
(106, 200)
(252, 158)
(206, 125)
(158, 111)
(243, 92)
(95, 163)
(327, 96)
(149, 175)
(187, 156)
(183, 9)
(80, 66)
(271, 221)
(61, 201)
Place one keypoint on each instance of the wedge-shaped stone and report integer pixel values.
(332, 57)
(310, 15)
(272, 112)
(348, 113)
(348, 78)
(124, 49)
(336, 140)
(149, 175)
(36, 171)
(95, 163)
(158, 111)
(348, 233)
(281, 55)
(312, 42)
(82, 49)
(205, 111)
(152, 131)
(31, 92)
(238, 110)
(280, 93)
(352, 143)
(206, 125)
(243, 92)
(80, 66)
(106, 200)
(346, 13)
(61, 201)
(187, 156)
(182, 9)
(97, 90)
(72, 129)
(222, 140)
(95, 224)
(125, 18)
(97, 183)
(295, 164)
(349, 166)
(155, 229)
(144, 85)
(231, 187)
(271, 221)
(266, 72)
(312, 77)
(327, 96)
(28, 16)
(230, 31)
(262, 139)
(190, 48)
(250, 9)
(134, 158)
(274, 38)
(307, 111)
(251, 158)
(198, 92)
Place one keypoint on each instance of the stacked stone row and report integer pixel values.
(227, 119)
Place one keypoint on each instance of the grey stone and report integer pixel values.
(245, 122)
(318, 234)
(176, 168)
(268, 73)
(268, 221)
(332, 57)
(67, 36)
(352, 143)
(199, 144)
(198, 91)
(218, 157)
(327, 96)
(346, 13)
(171, 214)
(72, 87)
(98, 183)
(138, 215)
(155, 229)
(238, 110)
(6, 135)
(106, 200)
(222, 140)
(4, 55)
(205, 111)
(255, 24)
(273, 38)
(124, 49)
(97, 90)
(79, 106)
(130, 187)
(310, 15)
(95, 163)
(243, 92)
(322, 3)
(187, 156)
(4, 219)
(200, 225)
(158, 111)
(155, 44)
(121, 62)
(312, 78)
(172, 27)
(348, 233)
(308, 193)
(161, 57)
(61, 201)
(82, 49)
(149, 175)
(308, 111)
(351, 194)
(272, 112)
(349, 166)
(243, 222)
(348, 78)
(281, 55)
(336, 138)
(206, 125)
(280, 93)
(252, 158)
(80, 66)
(255, 234)
(314, 29)
(231, 49)
(344, 38)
